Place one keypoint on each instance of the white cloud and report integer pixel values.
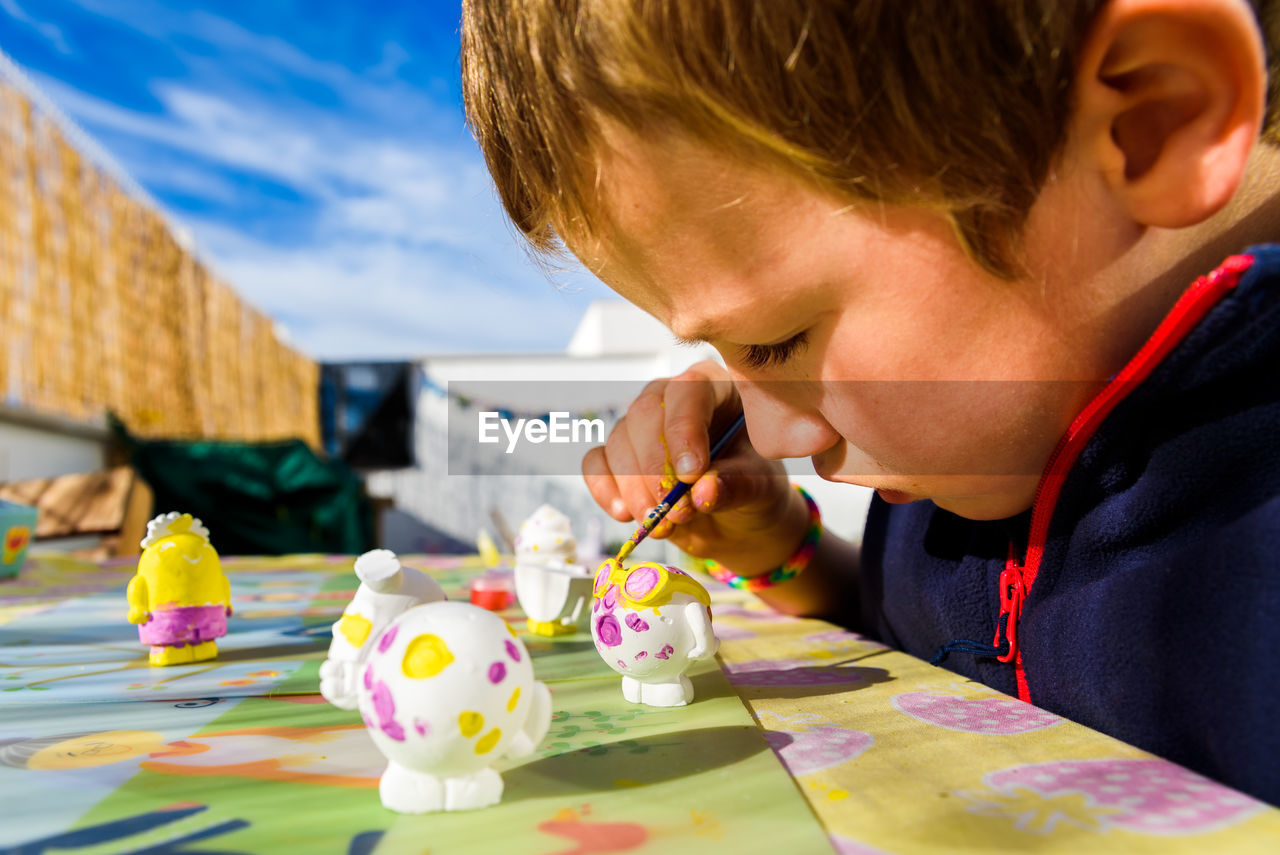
(49, 31)
(406, 250)
(367, 300)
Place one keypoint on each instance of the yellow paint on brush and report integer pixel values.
(355, 628)
(488, 741)
(470, 723)
(515, 699)
(425, 656)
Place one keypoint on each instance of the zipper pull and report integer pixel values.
(1012, 593)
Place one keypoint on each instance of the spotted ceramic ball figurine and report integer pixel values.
(650, 623)
(387, 589)
(447, 690)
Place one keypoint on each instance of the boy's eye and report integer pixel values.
(766, 355)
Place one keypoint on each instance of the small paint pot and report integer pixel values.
(492, 592)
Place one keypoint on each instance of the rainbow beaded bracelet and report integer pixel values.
(790, 569)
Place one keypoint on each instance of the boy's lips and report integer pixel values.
(895, 497)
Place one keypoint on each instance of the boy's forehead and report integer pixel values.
(675, 213)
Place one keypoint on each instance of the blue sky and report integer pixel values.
(316, 151)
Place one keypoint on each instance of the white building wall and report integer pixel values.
(37, 447)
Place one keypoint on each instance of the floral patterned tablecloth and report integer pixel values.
(802, 738)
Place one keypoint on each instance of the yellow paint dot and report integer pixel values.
(837, 795)
(425, 656)
(535, 547)
(355, 628)
(490, 739)
(470, 723)
(515, 699)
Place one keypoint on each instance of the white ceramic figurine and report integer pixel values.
(447, 690)
(650, 623)
(386, 590)
(553, 589)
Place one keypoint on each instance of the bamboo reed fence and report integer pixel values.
(102, 309)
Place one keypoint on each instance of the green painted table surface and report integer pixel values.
(802, 738)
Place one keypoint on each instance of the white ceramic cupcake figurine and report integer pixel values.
(553, 589)
(386, 590)
(650, 623)
(447, 690)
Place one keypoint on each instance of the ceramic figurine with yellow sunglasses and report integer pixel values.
(650, 623)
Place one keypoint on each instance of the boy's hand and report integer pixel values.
(741, 511)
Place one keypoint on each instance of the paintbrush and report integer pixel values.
(668, 502)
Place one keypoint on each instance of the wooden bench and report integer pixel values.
(111, 504)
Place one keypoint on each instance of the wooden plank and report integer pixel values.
(90, 503)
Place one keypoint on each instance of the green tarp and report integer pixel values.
(267, 498)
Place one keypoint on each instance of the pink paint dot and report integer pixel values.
(636, 623)
(608, 631)
(641, 581)
(665, 652)
(497, 673)
(368, 677)
(622, 665)
(388, 638)
(385, 707)
(512, 650)
(610, 600)
(421, 726)
(642, 654)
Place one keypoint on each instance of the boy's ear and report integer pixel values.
(1169, 101)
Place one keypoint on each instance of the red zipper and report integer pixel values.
(1017, 578)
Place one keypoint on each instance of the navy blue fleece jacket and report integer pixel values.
(1154, 615)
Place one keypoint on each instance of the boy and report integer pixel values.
(944, 250)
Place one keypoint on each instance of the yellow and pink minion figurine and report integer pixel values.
(651, 623)
(180, 597)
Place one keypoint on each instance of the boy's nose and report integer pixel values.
(781, 424)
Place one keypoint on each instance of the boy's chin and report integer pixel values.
(993, 507)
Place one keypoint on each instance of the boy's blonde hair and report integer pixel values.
(961, 106)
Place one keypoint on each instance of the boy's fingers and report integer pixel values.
(620, 456)
(690, 404)
(603, 486)
(737, 482)
(683, 510)
(644, 421)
